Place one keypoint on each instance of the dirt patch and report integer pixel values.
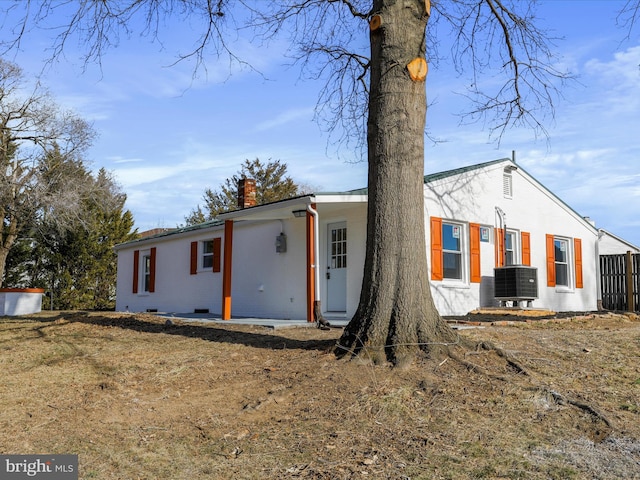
(138, 399)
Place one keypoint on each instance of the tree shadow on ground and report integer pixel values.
(228, 334)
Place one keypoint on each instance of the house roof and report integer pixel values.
(619, 239)
(457, 171)
(438, 175)
(284, 208)
(174, 231)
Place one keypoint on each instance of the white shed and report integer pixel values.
(20, 301)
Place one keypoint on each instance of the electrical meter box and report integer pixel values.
(281, 243)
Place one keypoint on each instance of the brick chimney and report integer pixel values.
(247, 193)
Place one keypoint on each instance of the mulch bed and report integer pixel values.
(506, 315)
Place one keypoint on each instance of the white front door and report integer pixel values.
(337, 267)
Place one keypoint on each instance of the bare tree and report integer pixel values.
(374, 95)
(32, 131)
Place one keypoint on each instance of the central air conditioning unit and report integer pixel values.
(516, 283)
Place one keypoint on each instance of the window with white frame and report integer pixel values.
(207, 254)
(452, 251)
(146, 273)
(511, 248)
(561, 247)
(338, 257)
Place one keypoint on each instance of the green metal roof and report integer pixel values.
(360, 191)
(430, 177)
(174, 231)
(457, 171)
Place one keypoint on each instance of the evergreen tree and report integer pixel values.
(76, 265)
(83, 262)
(272, 184)
(21, 262)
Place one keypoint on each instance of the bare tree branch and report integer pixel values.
(628, 16)
(493, 38)
(328, 47)
(34, 129)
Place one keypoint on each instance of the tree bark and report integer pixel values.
(396, 315)
(8, 237)
(3, 260)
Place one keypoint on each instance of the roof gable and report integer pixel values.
(458, 171)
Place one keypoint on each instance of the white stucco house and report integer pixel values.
(277, 260)
(611, 244)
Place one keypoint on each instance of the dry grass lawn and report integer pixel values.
(137, 399)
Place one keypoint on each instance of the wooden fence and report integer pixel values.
(619, 282)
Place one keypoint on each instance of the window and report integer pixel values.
(508, 248)
(564, 262)
(452, 251)
(207, 254)
(511, 257)
(561, 249)
(145, 262)
(455, 251)
(146, 272)
(338, 257)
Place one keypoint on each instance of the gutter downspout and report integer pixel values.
(503, 224)
(317, 309)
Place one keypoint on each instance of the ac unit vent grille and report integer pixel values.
(507, 185)
(516, 282)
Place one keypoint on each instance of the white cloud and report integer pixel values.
(622, 71)
(286, 117)
(118, 160)
(617, 82)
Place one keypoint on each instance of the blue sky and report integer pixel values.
(167, 136)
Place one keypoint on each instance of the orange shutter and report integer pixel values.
(136, 267)
(499, 234)
(525, 239)
(217, 249)
(152, 271)
(577, 248)
(437, 270)
(551, 262)
(474, 250)
(194, 258)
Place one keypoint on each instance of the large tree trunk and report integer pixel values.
(396, 314)
(6, 242)
(4, 252)
(8, 237)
